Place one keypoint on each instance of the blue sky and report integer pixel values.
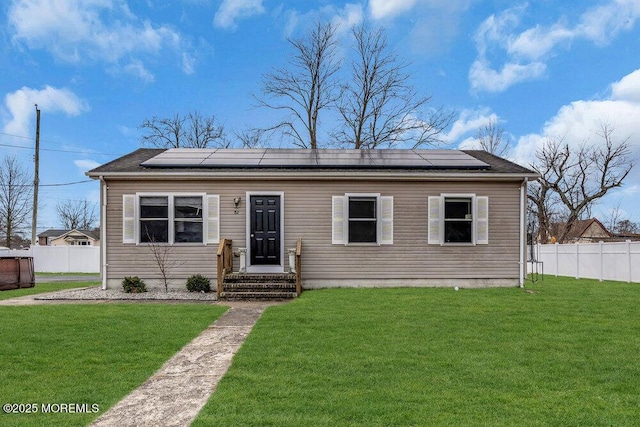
(98, 68)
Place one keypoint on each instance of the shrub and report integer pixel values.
(133, 285)
(198, 283)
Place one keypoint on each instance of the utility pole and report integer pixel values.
(36, 180)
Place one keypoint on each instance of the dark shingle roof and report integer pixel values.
(129, 162)
(498, 164)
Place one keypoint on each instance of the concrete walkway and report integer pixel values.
(175, 394)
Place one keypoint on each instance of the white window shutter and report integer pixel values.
(434, 220)
(213, 219)
(337, 220)
(482, 220)
(128, 218)
(386, 220)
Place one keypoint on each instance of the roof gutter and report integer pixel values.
(523, 231)
(318, 175)
(103, 231)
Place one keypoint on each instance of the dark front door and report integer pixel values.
(265, 230)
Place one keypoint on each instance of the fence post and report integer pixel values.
(577, 261)
(600, 246)
(557, 266)
(629, 259)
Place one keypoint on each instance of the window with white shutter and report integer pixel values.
(337, 220)
(458, 219)
(180, 218)
(129, 218)
(213, 219)
(362, 218)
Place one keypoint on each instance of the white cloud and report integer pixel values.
(627, 89)
(347, 17)
(431, 25)
(342, 18)
(603, 23)
(386, 9)
(89, 30)
(537, 42)
(231, 11)
(86, 164)
(21, 107)
(467, 123)
(188, 63)
(137, 68)
(527, 51)
(485, 78)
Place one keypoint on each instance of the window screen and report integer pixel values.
(363, 223)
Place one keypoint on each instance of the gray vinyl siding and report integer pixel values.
(307, 215)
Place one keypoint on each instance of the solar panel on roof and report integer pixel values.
(299, 158)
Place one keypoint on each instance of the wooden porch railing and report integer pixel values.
(225, 261)
(298, 266)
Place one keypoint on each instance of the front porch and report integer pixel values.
(241, 285)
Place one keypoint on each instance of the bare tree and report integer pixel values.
(163, 258)
(251, 138)
(540, 204)
(613, 218)
(305, 88)
(78, 215)
(492, 138)
(378, 105)
(16, 188)
(190, 131)
(579, 178)
(626, 226)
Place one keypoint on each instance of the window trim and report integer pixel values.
(171, 217)
(347, 219)
(443, 219)
(480, 220)
(340, 219)
(139, 219)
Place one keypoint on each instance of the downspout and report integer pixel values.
(523, 231)
(103, 231)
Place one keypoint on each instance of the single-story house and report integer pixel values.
(364, 217)
(588, 231)
(57, 237)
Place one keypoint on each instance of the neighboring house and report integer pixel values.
(622, 237)
(365, 217)
(585, 231)
(73, 237)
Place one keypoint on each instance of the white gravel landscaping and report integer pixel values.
(96, 293)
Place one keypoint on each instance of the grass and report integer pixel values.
(40, 288)
(88, 354)
(43, 273)
(561, 352)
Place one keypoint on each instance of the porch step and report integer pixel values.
(270, 295)
(246, 286)
(260, 278)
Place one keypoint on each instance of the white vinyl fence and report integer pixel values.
(603, 261)
(61, 259)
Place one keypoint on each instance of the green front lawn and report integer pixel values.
(561, 352)
(41, 288)
(88, 354)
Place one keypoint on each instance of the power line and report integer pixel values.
(88, 151)
(55, 185)
(67, 183)
(85, 151)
